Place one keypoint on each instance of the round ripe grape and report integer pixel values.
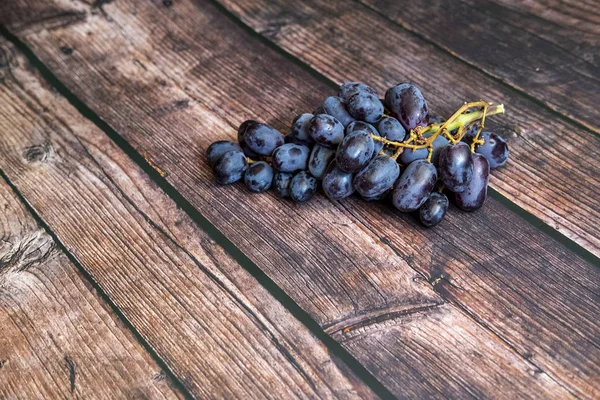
(434, 209)
(377, 177)
(230, 167)
(407, 105)
(217, 149)
(455, 164)
(349, 89)
(365, 107)
(303, 187)
(494, 149)
(281, 184)
(259, 177)
(391, 129)
(291, 157)
(262, 139)
(414, 186)
(473, 197)
(336, 107)
(355, 151)
(299, 130)
(320, 157)
(336, 183)
(326, 130)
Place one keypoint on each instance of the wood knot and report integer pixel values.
(38, 152)
(167, 3)
(67, 51)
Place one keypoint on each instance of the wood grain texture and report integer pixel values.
(58, 338)
(173, 79)
(485, 35)
(214, 326)
(552, 163)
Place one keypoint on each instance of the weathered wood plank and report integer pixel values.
(58, 338)
(219, 331)
(330, 263)
(485, 35)
(552, 164)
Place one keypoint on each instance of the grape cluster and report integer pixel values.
(356, 142)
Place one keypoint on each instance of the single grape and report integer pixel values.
(455, 164)
(291, 157)
(262, 139)
(281, 184)
(217, 149)
(355, 151)
(303, 187)
(319, 160)
(349, 89)
(259, 177)
(494, 149)
(438, 144)
(407, 105)
(299, 130)
(361, 126)
(336, 107)
(365, 107)
(475, 193)
(336, 183)
(434, 209)
(377, 177)
(391, 129)
(326, 130)
(242, 142)
(414, 186)
(230, 167)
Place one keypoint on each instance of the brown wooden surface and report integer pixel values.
(214, 326)
(58, 338)
(172, 80)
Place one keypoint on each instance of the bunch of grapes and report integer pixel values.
(356, 142)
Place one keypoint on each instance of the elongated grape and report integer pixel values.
(473, 197)
(217, 149)
(326, 130)
(319, 160)
(434, 209)
(281, 184)
(365, 107)
(291, 157)
(230, 167)
(299, 131)
(349, 89)
(355, 151)
(336, 107)
(391, 129)
(262, 139)
(336, 183)
(377, 177)
(303, 187)
(414, 186)
(258, 177)
(407, 105)
(494, 149)
(456, 166)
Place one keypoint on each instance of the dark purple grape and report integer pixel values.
(242, 142)
(303, 187)
(455, 164)
(259, 177)
(261, 138)
(365, 107)
(414, 186)
(377, 177)
(319, 160)
(281, 184)
(391, 129)
(494, 149)
(355, 151)
(217, 149)
(336, 107)
(336, 183)
(291, 157)
(326, 130)
(230, 167)
(475, 193)
(470, 133)
(299, 130)
(407, 105)
(434, 209)
(349, 89)
(361, 126)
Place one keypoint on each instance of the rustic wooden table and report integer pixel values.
(125, 272)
